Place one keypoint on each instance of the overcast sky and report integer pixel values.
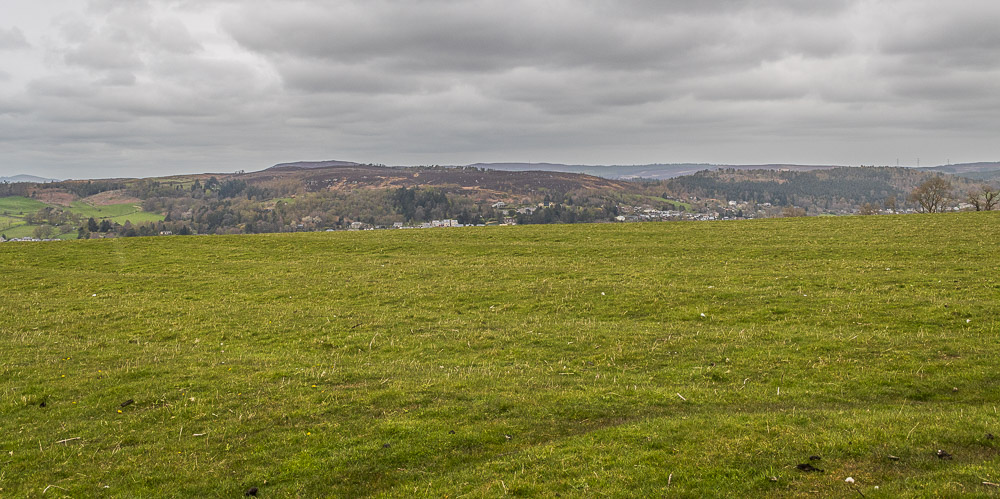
(105, 88)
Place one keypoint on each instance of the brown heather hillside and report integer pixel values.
(473, 182)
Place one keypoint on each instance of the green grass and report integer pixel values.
(119, 213)
(6, 222)
(12, 224)
(16, 205)
(98, 212)
(655, 200)
(19, 231)
(29, 231)
(397, 363)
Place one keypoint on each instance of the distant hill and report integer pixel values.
(962, 168)
(984, 172)
(306, 165)
(27, 178)
(606, 171)
(471, 181)
(834, 190)
(651, 171)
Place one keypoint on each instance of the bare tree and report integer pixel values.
(869, 209)
(793, 211)
(984, 198)
(931, 194)
(990, 198)
(890, 203)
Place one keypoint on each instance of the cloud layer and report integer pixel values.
(135, 88)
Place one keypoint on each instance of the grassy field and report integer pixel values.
(9, 222)
(118, 213)
(13, 208)
(20, 230)
(18, 205)
(675, 359)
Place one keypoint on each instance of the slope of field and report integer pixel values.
(14, 208)
(678, 359)
(19, 205)
(118, 213)
(12, 211)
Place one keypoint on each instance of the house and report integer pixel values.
(499, 205)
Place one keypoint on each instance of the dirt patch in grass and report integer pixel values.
(55, 196)
(105, 198)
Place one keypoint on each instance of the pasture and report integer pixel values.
(13, 210)
(659, 359)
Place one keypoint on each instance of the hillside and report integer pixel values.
(312, 164)
(643, 360)
(53, 213)
(340, 195)
(983, 172)
(26, 178)
(331, 195)
(829, 191)
(649, 172)
(477, 182)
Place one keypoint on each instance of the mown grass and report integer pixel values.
(532, 360)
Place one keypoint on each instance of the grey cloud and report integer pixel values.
(125, 38)
(104, 54)
(172, 36)
(646, 8)
(455, 36)
(951, 88)
(241, 84)
(12, 38)
(547, 90)
(312, 76)
(118, 79)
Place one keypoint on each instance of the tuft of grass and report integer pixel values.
(680, 359)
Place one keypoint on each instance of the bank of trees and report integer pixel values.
(932, 194)
(984, 197)
(936, 194)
